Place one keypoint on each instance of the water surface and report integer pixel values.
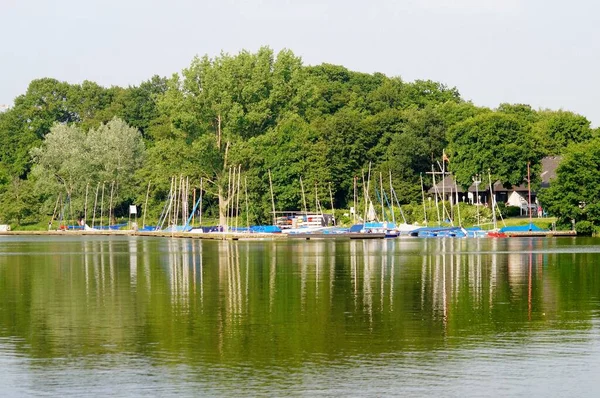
(132, 316)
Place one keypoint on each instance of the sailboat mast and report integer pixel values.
(444, 181)
(200, 213)
(87, 187)
(381, 194)
(247, 212)
(146, 205)
(355, 203)
(437, 209)
(237, 205)
(423, 199)
(331, 199)
(102, 204)
(303, 197)
(110, 210)
(458, 205)
(193, 211)
(228, 202)
(493, 200)
(367, 198)
(95, 203)
(391, 199)
(272, 197)
(529, 192)
(316, 199)
(364, 197)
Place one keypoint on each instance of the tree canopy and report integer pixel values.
(261, 113)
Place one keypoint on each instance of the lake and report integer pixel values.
(132, 316)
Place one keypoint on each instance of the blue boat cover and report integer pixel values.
(531, 227)
(148, 228)
(265, 229)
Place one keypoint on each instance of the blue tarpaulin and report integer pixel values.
(522, 228)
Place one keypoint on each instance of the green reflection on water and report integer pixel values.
(259, 303)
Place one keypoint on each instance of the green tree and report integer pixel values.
(494, 141)
(575, 193)
(69, 159)
(555, 130)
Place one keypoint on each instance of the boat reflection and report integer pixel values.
(285, 298)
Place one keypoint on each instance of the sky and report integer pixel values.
(542, 53)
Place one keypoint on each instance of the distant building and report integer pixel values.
(3, 108)
(480, 193)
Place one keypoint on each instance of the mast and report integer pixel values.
(272, 197)
(185, 199)
(493, 200)
(391, 199)
(200, 213)
(316, 199)
(194, 201)
(228, 201)
(381, 194)
(146, 205)
(102, 204)
(87, 186)
(529, 193)
(110, 210)
(247, 212)
(437, 209)
(355, 202)
(237, 204)
(331, 199)
(423, 198)
(303, 197)
(95, 203)
(366, 192)
(458, 205)
(444, 181)
(451, 214)
(477, 181)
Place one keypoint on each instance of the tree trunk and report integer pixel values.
(222, 207)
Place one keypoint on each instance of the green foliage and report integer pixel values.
(575, 193)
(265, 112)
(70, 161)
(555, 130)
(585, 228)
(497, 142)
(509, 211)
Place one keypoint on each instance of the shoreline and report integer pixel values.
(252, 236)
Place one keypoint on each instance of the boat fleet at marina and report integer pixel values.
(176, 217)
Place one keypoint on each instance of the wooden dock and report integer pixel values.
(539, 234)
(192, 235)
(195, 235)
(340, 236)
(252, 236)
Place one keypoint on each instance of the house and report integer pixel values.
(479, 191)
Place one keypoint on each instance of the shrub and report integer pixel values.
(585, 228)
(512, 211)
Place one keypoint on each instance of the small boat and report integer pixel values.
(439, 232)
(387, 228)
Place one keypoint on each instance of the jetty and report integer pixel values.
(539, 234)
(253, 235)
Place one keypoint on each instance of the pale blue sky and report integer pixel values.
(544, 53)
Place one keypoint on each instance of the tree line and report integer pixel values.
(265, 112)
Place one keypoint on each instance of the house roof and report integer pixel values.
(549, 166)
(448, 184)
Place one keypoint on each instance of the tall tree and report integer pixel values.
(69, 159)
(575, 193)
(555, 130)
(494, 141)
